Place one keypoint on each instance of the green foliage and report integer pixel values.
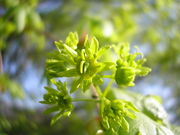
(154, 109)
(145, 122)
(21, 17)
(12, 86)
(176, 130)
(73, 60)
(144, 125)
(128, 68)
(85, 64)
(114, 114)
(153, 24)
(59, 100)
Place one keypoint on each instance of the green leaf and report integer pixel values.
(72, 52)
(68, 73)
(175, 129)
(72, 40)
(161, 130)
(107, 66)
(61, 87)
(143, 71)
(59, 115)
(144, 125)
(35, 20)
(131, 106)
(20, 19)
(130, 114)
(12, 86)
(44, 102)
(51, 90)
(97, 80)
(86, 84)
(124, 50)
(69, 50)
(102, 51)
(56, 117)
(124, 124)
(88, 47)
(52, 109)
(106, 123)
(76, 85)
(154, 109)
(59, 45)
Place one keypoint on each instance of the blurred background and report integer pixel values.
(28, 29)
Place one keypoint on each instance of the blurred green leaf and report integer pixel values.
(21, 19)
(11, 86)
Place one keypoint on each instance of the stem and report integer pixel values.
(98, 90)
(107, 88)
(96, 94)
(84, 99)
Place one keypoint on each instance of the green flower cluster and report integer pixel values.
(114, 114)
(128, 67)
(59, 100)
(82, 62)
(75, 60)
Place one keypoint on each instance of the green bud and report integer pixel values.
(125, 76)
